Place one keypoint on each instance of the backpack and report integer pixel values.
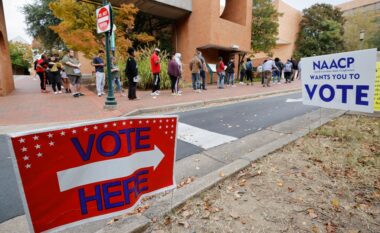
(288, 67)
(249, 66)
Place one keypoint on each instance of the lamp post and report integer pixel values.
(361, 38)
(110, 101)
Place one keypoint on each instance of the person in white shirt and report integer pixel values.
(268, 66)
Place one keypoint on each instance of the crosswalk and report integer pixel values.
(201, 137)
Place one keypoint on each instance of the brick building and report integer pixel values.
(6, 78)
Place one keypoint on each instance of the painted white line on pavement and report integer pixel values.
(294, 100)
(201, 137)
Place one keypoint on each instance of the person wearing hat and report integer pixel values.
(131, 71)
(156, 69)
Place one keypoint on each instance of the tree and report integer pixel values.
(39, 18)
(321, 31)
(21, 55)
(357, 22)
(78, 20)
(264, 26)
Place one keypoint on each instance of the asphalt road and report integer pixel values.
(234, 120)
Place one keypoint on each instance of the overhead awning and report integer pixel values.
(170, 9)
(231, 49)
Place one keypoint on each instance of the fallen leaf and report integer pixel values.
(312, 213)
(185, 224)
(259, 172)
(335, 203)
(330, 227)
(290, 190)
(154, 219)
(242, 182)
(187, 213)
(314, 229)
(280, 184)
(234, 215)
(253, 165)
(353, 231)
(221, 174)
(112, 221)
(206, 215)
(167, 220)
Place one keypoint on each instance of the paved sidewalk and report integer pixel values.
(26, 105)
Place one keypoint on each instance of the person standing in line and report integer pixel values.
(203, 69)
(65, 81)
(277, 73)
(174, 73)
(72, 69)
(131, 71)
(195, 68)
(249, 70)
(243, 71)
(295, 68)
(55, 74)
(231, 72)
(221, 73)
(156, 69)
(99, 73)
(268, 67)
(288, 69)
(178, 59)
(299, 70)
(40, 69)
(115, 74)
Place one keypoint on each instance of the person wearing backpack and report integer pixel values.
(231, 72)
(249, 70)
(278, 73)
(243, 71)
(288, 69)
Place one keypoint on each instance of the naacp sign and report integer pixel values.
(76, 174)
(340, 81)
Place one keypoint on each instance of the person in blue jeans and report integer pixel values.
(231, 72)
(115, 74)
(277, 73)
(221, 73)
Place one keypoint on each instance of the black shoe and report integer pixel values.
(81, 94)
(205, 89)
(76, 95)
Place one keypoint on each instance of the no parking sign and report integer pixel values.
(77, 174)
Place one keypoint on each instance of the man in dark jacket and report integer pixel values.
(131, 72)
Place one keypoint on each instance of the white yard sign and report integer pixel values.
(340, 81)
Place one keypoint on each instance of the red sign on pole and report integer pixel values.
(103, 19)
(74, 175)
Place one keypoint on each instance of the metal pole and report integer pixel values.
(110, 101)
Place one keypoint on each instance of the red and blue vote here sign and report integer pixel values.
(82, 173)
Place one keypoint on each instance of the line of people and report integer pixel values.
(59, 73)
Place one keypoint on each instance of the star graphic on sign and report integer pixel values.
(51, 143)
(25, 158)
(95, 127)
(166, 132)
(50, 135)
(167, 121)
(147, 122)
(160, 127)
(172, 132)
(140, 122)
(124, 123)
(167, 126)
(39, 155)
(154, 121)
(28, 166)
(63, 133)
(114, 124)
(171, 137)
(131, 122)
(21, 140)
(37, 146)
(85, 129)
(160, 121)
(35, 137)
(74, 131)
(105, 126)
(172, 126)
(24, 149)
(172, 120)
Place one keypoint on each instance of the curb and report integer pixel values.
(168, 203)
(201, 103)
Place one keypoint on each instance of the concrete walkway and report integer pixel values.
(26, 105)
